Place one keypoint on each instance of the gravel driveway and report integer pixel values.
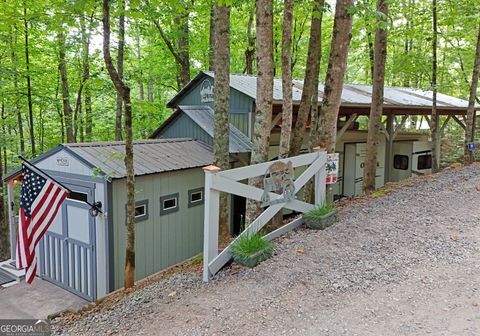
(407, 263)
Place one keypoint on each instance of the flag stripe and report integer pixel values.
(40, 200)
(42, 227)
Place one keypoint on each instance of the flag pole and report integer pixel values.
(51, 178)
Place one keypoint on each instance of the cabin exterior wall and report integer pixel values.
(161, 240)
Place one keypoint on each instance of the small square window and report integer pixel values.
(141, 211)
(195, 197)
(424, 162)
(168, 204)
(400, 162)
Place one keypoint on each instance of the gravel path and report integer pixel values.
(407, 263)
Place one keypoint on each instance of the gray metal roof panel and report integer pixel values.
(354, 94)
(149, 156)
(202, 115)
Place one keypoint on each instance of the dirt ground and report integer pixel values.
(406, 263)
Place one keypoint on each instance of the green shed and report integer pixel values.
(84, 252)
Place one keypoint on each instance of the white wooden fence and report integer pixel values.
(217, 181)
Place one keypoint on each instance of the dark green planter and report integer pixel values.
(321, 223)
(256, 258)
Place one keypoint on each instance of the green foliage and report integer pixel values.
(150, 67)
(197, 260)
(248, 245)
(320, 211)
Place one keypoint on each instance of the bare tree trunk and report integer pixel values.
(13, 44)
(4, 242)
(181, 52)
(29, 84)
(250, 51)
(471, 114)
(124, 90)
(287, 105)
(85, 79)
(150, 91)
(376, 110)
(311, 73)
(211, 39)
(67, 108)
(341, 36)
(263, 113)
(435, 118)
(221, 131)
(141, 91)
(120, 53)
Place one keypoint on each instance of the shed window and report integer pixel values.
(168, 204)
(78, 196)
(400, 162)
(141, 210)
(424, 162)
(195, 197)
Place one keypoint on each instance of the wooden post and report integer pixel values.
(320, 181)
(389, 148)
(210, 222)
(11, 220)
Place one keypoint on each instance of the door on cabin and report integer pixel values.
(67, 250)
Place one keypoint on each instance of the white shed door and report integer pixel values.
(67, 254)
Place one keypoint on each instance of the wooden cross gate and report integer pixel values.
(217, 181)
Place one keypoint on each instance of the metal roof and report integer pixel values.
(353, 95)
(149, 156)
(202, 115)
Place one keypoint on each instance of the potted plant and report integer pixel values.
(250, 250)
(321, 217)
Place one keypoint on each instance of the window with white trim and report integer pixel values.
(168, 204)
(195, 197)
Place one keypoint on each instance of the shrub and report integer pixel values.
(320, 211)
(247, 246)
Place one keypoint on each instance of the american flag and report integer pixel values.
(40, 199)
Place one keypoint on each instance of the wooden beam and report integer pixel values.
(454, 117)
(399, 126)
(429, 122)
(347, 124)
(445, 123)
(275, 120)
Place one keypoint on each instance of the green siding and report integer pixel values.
(160, 241)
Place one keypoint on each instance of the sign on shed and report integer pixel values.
(332, 168)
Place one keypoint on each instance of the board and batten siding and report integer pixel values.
(184, 127)
(160, 241)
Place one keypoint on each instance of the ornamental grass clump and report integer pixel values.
(250, 250)
(321, 217)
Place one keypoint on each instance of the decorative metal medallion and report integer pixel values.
(278, 179)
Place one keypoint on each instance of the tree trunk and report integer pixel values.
(67, 108)
(221, 128)
(4, 242)
(376, 109)
(263, 113)
(337, 63)
(150, 91)
(13, 44)
(29, 84)
(85, 79)
(120, 53)
(124, 91)
(181, 53)
(311, 73)
(287, 106)
(250, 51)
(211, 39)
(183, 46)
(435, 119)
(471, 115)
